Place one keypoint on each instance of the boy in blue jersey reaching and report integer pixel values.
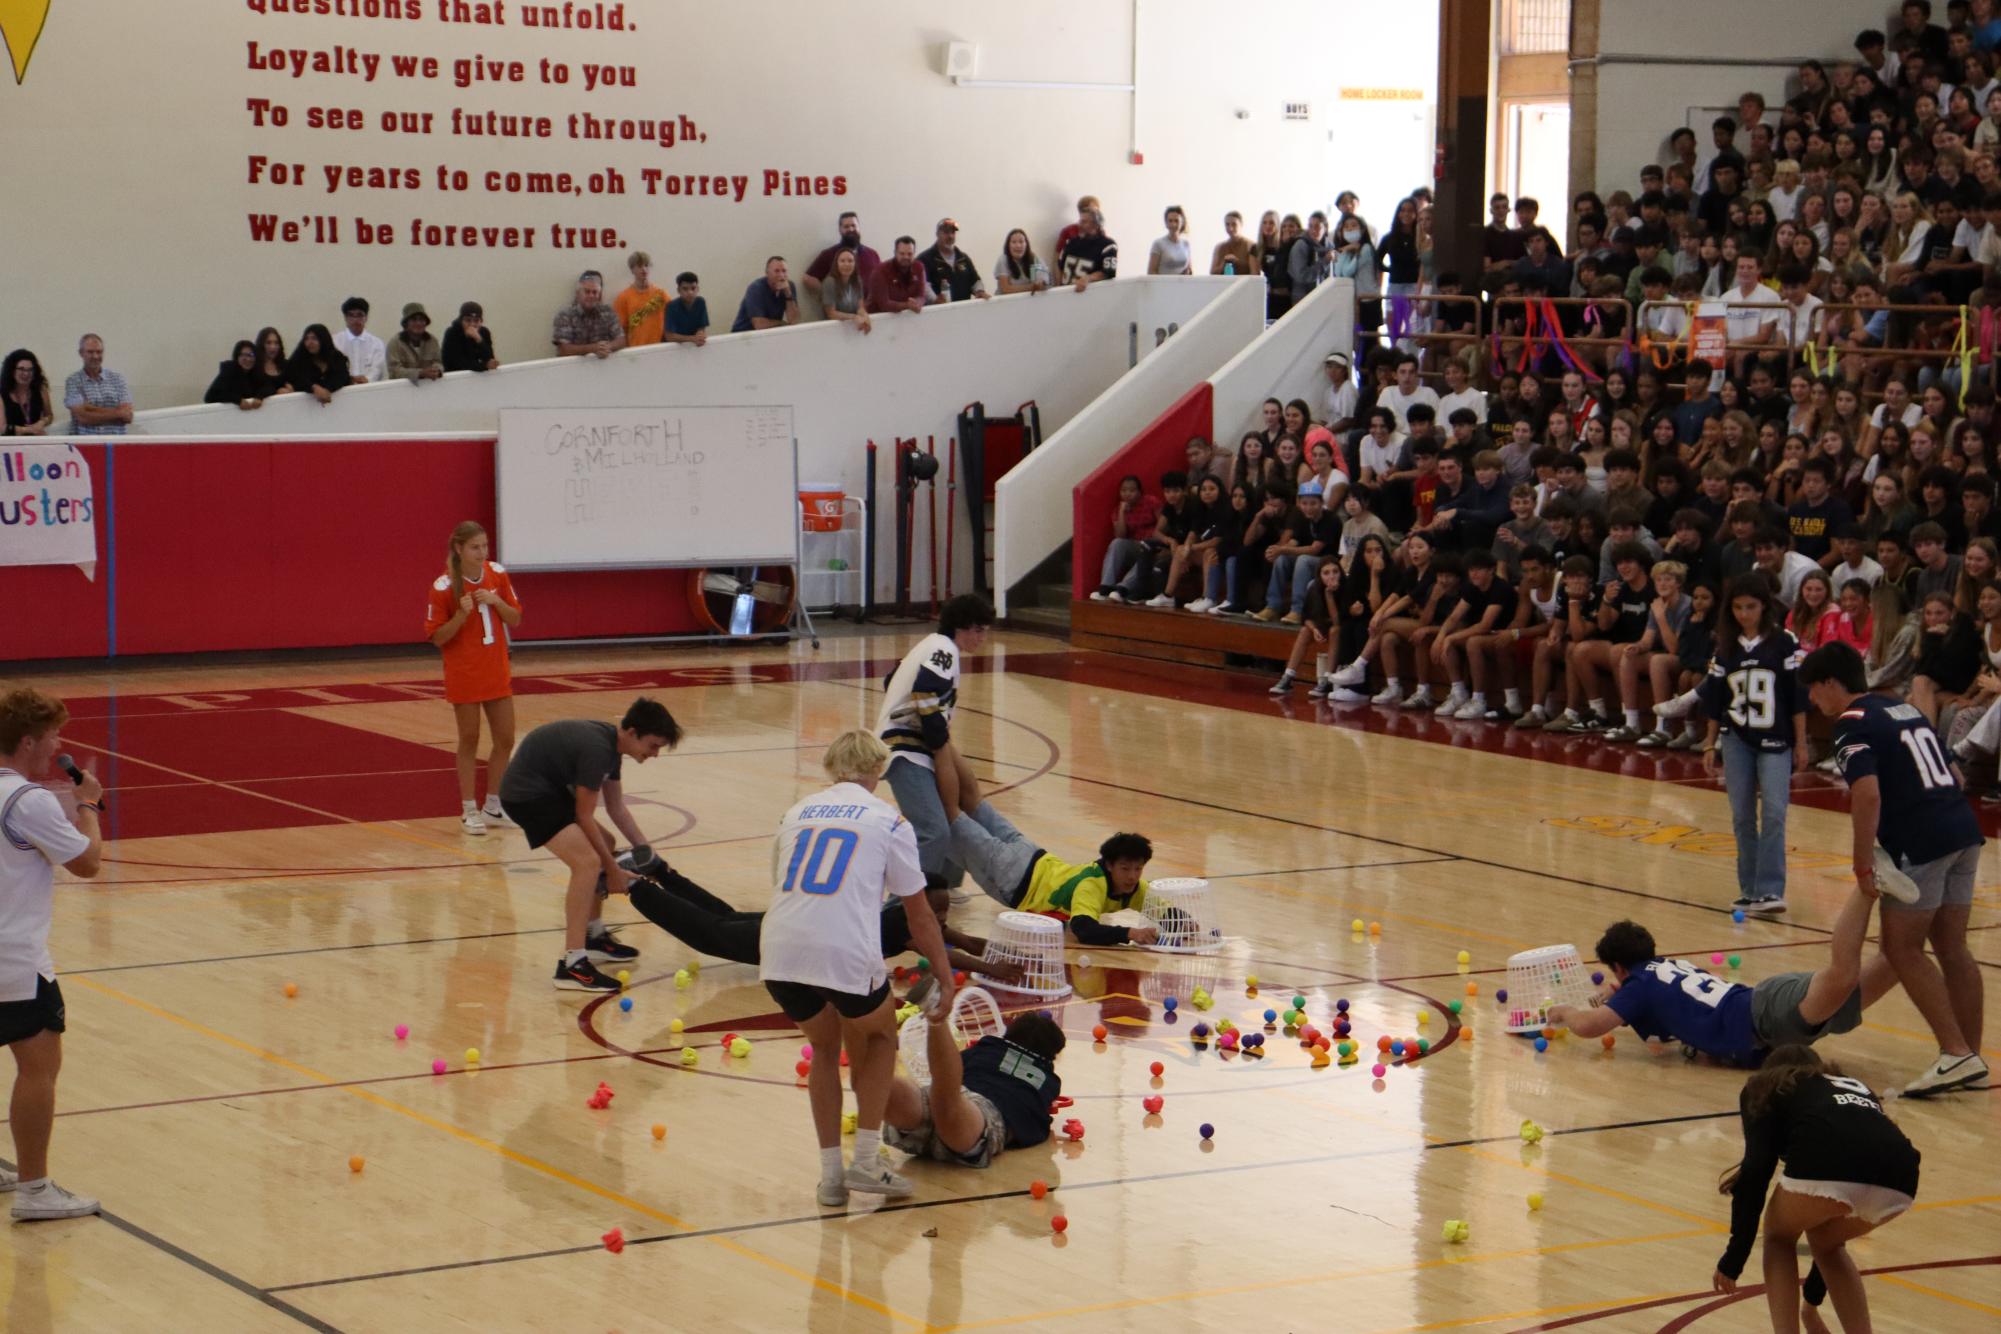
(1730, 1022)
(1916, 837)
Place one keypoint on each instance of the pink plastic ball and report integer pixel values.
(402, 1031)
(1379, 1070)
(438, 1067)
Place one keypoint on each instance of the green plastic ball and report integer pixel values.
(1454, 1006)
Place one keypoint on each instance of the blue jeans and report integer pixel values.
(1296, 573)
(1759, 783)
(994, 853)
(1127, 565)
(916, 789)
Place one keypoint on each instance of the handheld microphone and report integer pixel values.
(67, 763)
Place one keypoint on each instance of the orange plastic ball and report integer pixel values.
(1038, 1189)
(1609, 1041)
(1382, 1044)
(355, 1164)
(1472, 988)
(1098, 1033)
(291, 989)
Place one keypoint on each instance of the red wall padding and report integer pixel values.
(282, 544)
(1161, 447)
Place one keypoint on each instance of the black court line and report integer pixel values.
(1354, 866)
(314, 949)
(737, 1229)
(214, 1271)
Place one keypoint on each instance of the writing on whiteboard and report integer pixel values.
(603, 448)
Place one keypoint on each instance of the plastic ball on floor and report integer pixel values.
(1736, 960)
(806, 1052)
(472, 1055)
(1383, 1043)
(438, 1067)
(1059, 1224)
(1199, 1031)
(1597, 979)
(1153, 1104)
(682, 980)
(1099, 1032)
(1357, 926)
(1341, 1028)
(923, 965)
(1715, 959)
(1228, 1042)
(1737, 916)
(690, 1057)
(1456, 1230)
(1455, 1006)
(1379, 1069)
(1501, 996)
(1465, 956)
(1271, 1016)
(1531, 1132)
(1299, 1002)
(402, 1031)
(676, 1026)
(1206, 1131)
(614, 1241)
(1158, 1069)
(1472, 988)
(1341, 1005)
(1251, 981)
(1037, 1189)
(1346, 1049)
(291, 990)
(802, 1068)
(659, 1131)
(1396, 1047)
(1542, 1044)
(1169, 1004)
(624, 976)
(849, 1120)
(356, 1163)
(1424, 1016)
(1465, 1032)
(740, 1048)
(625, 1004)
(1608, 1042)
(1423, 1046)
(1535, 1201)
(1320, 1057)
(1375, 928)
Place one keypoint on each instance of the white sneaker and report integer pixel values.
(51, 1201)
(1116, 596)
(1389, 694)
(1672, 708)
(1891, 882)
(8, 1180)
(1199, 605)
(1345, 695)
(1163, 600)
(1096, 596)
(1419, 698)
(876, 1179)
(1353, 674)
(495, 816)
(834, 1194)
(1947, 1073)
(472, 822)
(1224, 608)
(1472, 708)
(1454, 701)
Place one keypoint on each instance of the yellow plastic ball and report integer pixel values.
(472, 1055)
(689, 1056)
(1423, 1017)
(740, 1048)
(676, 1026)
(1357, 926)
(683, 980)
(624, 976)
(1465, 957)
(1535, 1202)
(849, 1120)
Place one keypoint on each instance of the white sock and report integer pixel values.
(1424, 691)
(868, 1149)
(1514, 700)
(1633, 719)
(37, 1184)
(493, 805)
(1392, 684)
(469, 807)
(1458, 690)
(595, 927)
(571, 957)
(1598, 707)
(1479, 698)
(832, 1165)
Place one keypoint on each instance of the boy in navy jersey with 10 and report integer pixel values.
(1917, 839)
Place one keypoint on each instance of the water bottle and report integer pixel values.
(1229, 268)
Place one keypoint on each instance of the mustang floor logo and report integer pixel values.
(21, 26)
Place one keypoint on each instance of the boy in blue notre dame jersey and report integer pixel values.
(931, 782)
(1916, 838)
(995, 1095)
(1730, 1022)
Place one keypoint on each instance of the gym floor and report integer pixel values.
(297, 823)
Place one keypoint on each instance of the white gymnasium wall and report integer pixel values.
(1640, 105)
(1288, 362)
(132, 135)
(1032, 512)
(909, 377)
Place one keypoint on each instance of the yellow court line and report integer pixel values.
(1956, 1204)
(479, 1141)
(1309, 1280)
(1540, 1312)
(1710, 1223)
(1896, 1032)
(1967, 1302)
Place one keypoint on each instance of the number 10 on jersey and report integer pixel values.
(820, 860)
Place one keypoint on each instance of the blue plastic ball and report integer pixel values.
(1737, 916)
(1271, 1016)
(1199, 1031)
(1542, 1044)
(1396, 1048)
(625, 1002)
(1169, 1004)
(1341, 1005)
(1501, 996)
(1206, 1130)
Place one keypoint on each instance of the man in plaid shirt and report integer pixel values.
(97, 399)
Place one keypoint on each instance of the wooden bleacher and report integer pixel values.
(1177, 636)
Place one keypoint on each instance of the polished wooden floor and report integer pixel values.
(296, 824)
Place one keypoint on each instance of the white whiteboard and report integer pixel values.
(643, 488)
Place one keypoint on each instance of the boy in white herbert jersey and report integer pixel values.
(838, 852)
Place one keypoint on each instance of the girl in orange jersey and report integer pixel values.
(471, 610)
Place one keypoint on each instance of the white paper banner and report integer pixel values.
(48, 514)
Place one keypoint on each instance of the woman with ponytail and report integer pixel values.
(1844, 1170)
(471, 610)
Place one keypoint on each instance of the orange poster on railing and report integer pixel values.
(1709, 336)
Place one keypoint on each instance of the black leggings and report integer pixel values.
(697, 918)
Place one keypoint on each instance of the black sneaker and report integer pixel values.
(1766, 907)
(606, 948)
(582, 976)
(1742, 903)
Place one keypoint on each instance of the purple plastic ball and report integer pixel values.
(1341, 1005)
(1501, 996)
(1207, 1131)
(1598, 979)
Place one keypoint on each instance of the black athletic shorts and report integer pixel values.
(25, 1018)
(543, 819)
(802, 1002)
